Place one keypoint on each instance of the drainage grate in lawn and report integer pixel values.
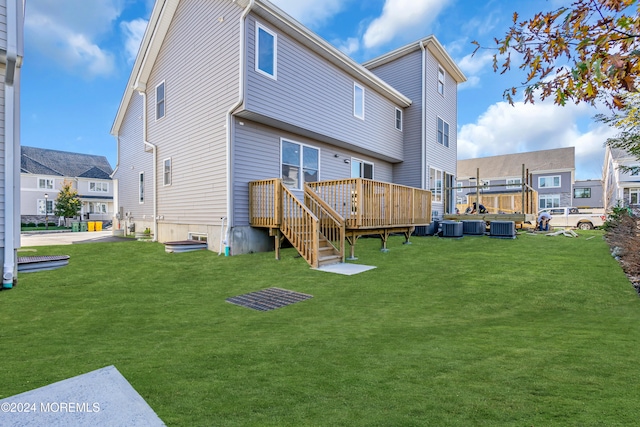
(268, 299)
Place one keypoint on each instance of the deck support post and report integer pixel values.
(407, 235)
(352, 243)
(278, 237)
(384, 236)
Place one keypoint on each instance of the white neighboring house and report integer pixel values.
(43, 172)
(620, 188)
(11, 54)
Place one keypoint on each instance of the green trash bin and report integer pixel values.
(83, 226)
(75, 226)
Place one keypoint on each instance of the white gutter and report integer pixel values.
(12, 64)
(423, 117)
(141, 90)
(238, 103)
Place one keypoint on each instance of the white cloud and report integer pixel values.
(349, 46)
(68, 32)
(399, 16)
(311, 12)
(133, 32)
(474, 65)
(506, 129)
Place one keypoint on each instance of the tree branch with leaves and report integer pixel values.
(582, 53)
(67, 203)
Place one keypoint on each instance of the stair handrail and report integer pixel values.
(334, 230)
(300, 226)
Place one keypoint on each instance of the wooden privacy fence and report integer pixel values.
(505, 203)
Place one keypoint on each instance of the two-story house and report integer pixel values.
(552, 175)
(44, 172)
(11, 54)
(621, 187)
(224, 93)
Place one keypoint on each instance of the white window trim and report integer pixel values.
(259, 27)
(459, 185)
(101, 184)
(435, 192)
(396, 119)
(513, 185)
(551, 178)
(141, 192)
(164, 100)
(198, 236)
(164, 173)
(52, 180)
(443, 81)
(542, 197)
(301, 180)
(356, 85)
(45, 201)
(362, 162)
(444, 122)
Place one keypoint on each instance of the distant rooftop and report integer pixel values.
(42, 161)
(510, 165)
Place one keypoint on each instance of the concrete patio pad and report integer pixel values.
(98, 398)
(346, 269)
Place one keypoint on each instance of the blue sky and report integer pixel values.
(79, 53)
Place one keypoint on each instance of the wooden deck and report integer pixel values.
(335, 211)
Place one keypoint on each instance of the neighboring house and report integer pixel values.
(11, 54)
(588, 193)
(621, 188)
(43, 172)
(552, 173)
(225, 92)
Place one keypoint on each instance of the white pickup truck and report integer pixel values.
(582, 218)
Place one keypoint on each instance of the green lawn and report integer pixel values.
(537, 331)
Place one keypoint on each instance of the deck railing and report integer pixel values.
(331, 224)
(300, 226)
(365, 203)
(265, 203)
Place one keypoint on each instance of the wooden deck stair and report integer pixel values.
(335, 211)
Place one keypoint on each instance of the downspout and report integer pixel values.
(423, 117)
(9, 265)
(238, 103)
(142, 91)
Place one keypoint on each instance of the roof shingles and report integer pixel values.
(41, 161)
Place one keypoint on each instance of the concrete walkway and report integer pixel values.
(68, 238)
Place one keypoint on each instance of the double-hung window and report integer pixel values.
(358, 101)
(549, 181)
(300, 163)
(440, 81)
(443, 132)
(266, 51)
(166, 172)
(45, 183)
(361, 169)
(634, 196)
(45, 207)
(547, 201)
(399, 119)
(435, 184)
(99, 187)
(514, 183)
(160, 101)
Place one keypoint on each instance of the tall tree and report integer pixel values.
(579, 53)
(67, 203)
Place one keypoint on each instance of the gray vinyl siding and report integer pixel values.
(445, 107)
(596, 200)
(3, 24)
(198, 62)
(565, 190)
(133, 159)
(405, 75)
(2, 146)
(257, 156)
(313, 94)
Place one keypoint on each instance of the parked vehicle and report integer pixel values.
(570, 217)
